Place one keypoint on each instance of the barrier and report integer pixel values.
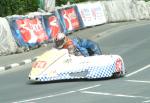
(118, 10)
(68, 18)
(141, 10)
(7, 42)
(28, 31)
(50, 5)
(91, 14)
(52, 25)
(36, 28)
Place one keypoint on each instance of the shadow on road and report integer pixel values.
(66, 80)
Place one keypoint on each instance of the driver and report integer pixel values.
(77, 46)
(62, 41)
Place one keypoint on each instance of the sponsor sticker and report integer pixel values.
(39, 64)
(118, 65)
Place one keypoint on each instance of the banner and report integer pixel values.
(15, 31)
(52, 25)
(91, 14)
(31, 30)
(70, 19)
(28, 32)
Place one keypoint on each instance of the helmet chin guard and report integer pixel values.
(60, 40)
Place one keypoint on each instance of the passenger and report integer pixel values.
(77, 46)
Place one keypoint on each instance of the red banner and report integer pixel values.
(54, 26)
(70, 19)
(31, 30)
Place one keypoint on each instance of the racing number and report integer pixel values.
(118, 65)
(39, 64)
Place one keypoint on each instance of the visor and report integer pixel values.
(60, 43)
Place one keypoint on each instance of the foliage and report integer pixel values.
(147, 0)
(10, 7)
(60, 2)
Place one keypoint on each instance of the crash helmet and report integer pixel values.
(60, 40)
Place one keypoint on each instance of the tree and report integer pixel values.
(64, 2)
(10, 7)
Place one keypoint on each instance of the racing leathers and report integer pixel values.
(71, 47)
(86, 47)
(77, 46)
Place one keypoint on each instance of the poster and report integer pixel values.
(31, 30)
(70, 19)
(91, 14)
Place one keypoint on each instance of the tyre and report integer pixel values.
(118, 74)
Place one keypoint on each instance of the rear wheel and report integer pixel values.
(118, 74)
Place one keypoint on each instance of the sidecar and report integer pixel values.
(60, 65)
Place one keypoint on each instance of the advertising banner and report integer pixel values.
(28, 31)
(70, 19)
(52, 25)
(31, 30)
(16, 32)
(91, 14)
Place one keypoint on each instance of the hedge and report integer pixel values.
(10, 7)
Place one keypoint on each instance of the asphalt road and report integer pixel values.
(129, 41)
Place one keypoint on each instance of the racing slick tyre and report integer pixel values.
(118, 74)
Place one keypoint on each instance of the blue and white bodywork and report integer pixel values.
(60, 65)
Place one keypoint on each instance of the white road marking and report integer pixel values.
(138, 81)
(14, 65)
(55, 95)
(28, 61)
(89, 87)
(139, 70)
(2, 68)
(148, 101)
(116, 95)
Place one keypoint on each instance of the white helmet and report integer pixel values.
(60, 40)
(60, 36)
